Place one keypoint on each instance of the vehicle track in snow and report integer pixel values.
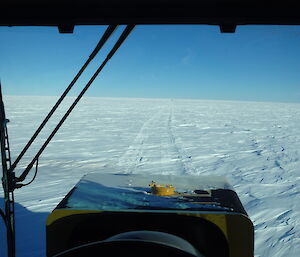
(155, 149)
(183, 156)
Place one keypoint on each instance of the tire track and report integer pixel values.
(186, 160)
(133, 157)
(155, 149)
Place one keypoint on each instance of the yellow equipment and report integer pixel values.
(162, 190)
(123, 215)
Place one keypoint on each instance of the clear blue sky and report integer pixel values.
(259, 63)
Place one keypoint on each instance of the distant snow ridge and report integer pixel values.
(255, 145)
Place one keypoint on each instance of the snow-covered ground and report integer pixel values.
(255, 145)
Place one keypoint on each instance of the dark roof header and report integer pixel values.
(100, 12)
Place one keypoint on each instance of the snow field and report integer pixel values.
(255, 145)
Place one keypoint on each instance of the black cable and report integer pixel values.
(35, 173)
(121, 39)
(109, 31)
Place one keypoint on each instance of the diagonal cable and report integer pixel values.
(109, 31)
(121, 39)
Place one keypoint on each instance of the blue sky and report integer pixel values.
(257, 63)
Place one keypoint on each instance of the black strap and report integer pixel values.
(109, 31)
(121, 39)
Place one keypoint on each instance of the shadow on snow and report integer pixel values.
(30, 232)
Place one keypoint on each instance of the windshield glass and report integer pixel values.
(179, 100)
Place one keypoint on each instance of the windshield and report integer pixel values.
(176, 100)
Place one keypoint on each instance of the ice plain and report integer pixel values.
(256, 145)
